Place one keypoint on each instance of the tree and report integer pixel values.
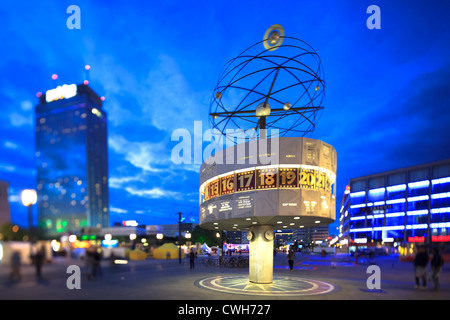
(203, 235)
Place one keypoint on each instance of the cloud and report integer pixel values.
(18, 120)
(120, 87)
(144, 155)
(142, 211)
(117, 210)
(154, 193)
(9, 168)
(26, 105)
(10, 145)
(118, 182)
(168, 100)
(409, 129)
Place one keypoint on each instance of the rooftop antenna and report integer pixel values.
(55, 81)
(86, 74)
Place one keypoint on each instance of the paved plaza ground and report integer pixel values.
(333, 277)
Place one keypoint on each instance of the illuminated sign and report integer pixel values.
(288, 178)
(81, 244)
(65, 91)
(267, 178)
(245, 181)
(416, 239)
(226, 184)
(270, 177)
(239, 190)
(307, 179)
(130, 223)
(440, 238)
(110, 243)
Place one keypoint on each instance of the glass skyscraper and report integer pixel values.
(71, 160)
(405, 205)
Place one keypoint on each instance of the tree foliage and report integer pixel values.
(205, 236)
(9, 231)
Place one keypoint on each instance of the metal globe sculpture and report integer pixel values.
(284, 77)
(278, 179)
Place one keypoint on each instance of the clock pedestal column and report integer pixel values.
(261, 254)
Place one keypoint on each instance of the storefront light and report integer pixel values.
(419, 184)
(440, 195)
(376, 191)
(357, 194)
(399, 187)
(420, 198)
(440, 180)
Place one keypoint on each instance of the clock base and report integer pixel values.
(261, 254)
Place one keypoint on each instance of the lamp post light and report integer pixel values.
(220, 246)
(159, 237)
(29, 198)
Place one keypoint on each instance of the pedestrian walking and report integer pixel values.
(420, 267)
(96, 263)
(436, 266)
(38, 261)
(89, 260)
(191, 259)
(15, 266)
(291, 257)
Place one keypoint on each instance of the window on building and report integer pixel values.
(375, 183)
(396, 179)
(358, 186)
(419, 174)
(441, 171)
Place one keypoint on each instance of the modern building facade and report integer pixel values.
(71, 160)
(311, 234)
(5, 211)
(171, 230)
(405, 205)
(237, 237)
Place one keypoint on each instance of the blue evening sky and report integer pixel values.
(157, 62)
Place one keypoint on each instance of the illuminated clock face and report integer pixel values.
(269, 235)
(249, 235)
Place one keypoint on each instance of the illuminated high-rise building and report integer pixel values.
(405, 205)
(71, 160)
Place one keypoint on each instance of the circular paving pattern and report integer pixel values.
(281, 286)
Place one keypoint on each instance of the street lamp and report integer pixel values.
(220, 246)
(159, 237)
(29, 198)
